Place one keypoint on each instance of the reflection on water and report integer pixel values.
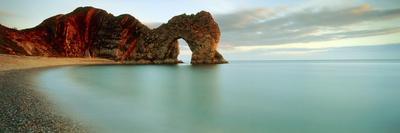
(235, 98)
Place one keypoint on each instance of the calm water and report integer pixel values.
(240, 97)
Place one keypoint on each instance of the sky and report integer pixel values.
(255, 29)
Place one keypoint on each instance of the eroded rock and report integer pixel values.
(92, 32)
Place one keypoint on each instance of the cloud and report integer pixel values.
(297, 52)
(384, 51)
(245, 18)
(6, 14)
(387, 51)
(362, 9)
(265, 26)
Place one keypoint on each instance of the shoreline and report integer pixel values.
(15, 62)
(22, 107)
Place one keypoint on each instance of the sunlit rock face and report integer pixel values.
(92, 32)
(84, 32)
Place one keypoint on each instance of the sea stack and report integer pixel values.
(92, 32)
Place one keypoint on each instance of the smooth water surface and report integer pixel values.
(240, 97)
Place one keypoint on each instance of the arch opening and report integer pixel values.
(185, 54)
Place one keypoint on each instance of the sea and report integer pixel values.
(274, 96)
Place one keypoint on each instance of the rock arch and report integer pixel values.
(200, 31)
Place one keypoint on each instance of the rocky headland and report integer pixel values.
(92, 32)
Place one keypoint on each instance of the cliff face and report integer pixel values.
(91, 32)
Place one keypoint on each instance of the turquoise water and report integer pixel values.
(240, 97)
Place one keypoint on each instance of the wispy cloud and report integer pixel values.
(274, 26)
(6, 14)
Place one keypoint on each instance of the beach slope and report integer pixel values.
(22, 107)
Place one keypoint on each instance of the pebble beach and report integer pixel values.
(22, 107)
